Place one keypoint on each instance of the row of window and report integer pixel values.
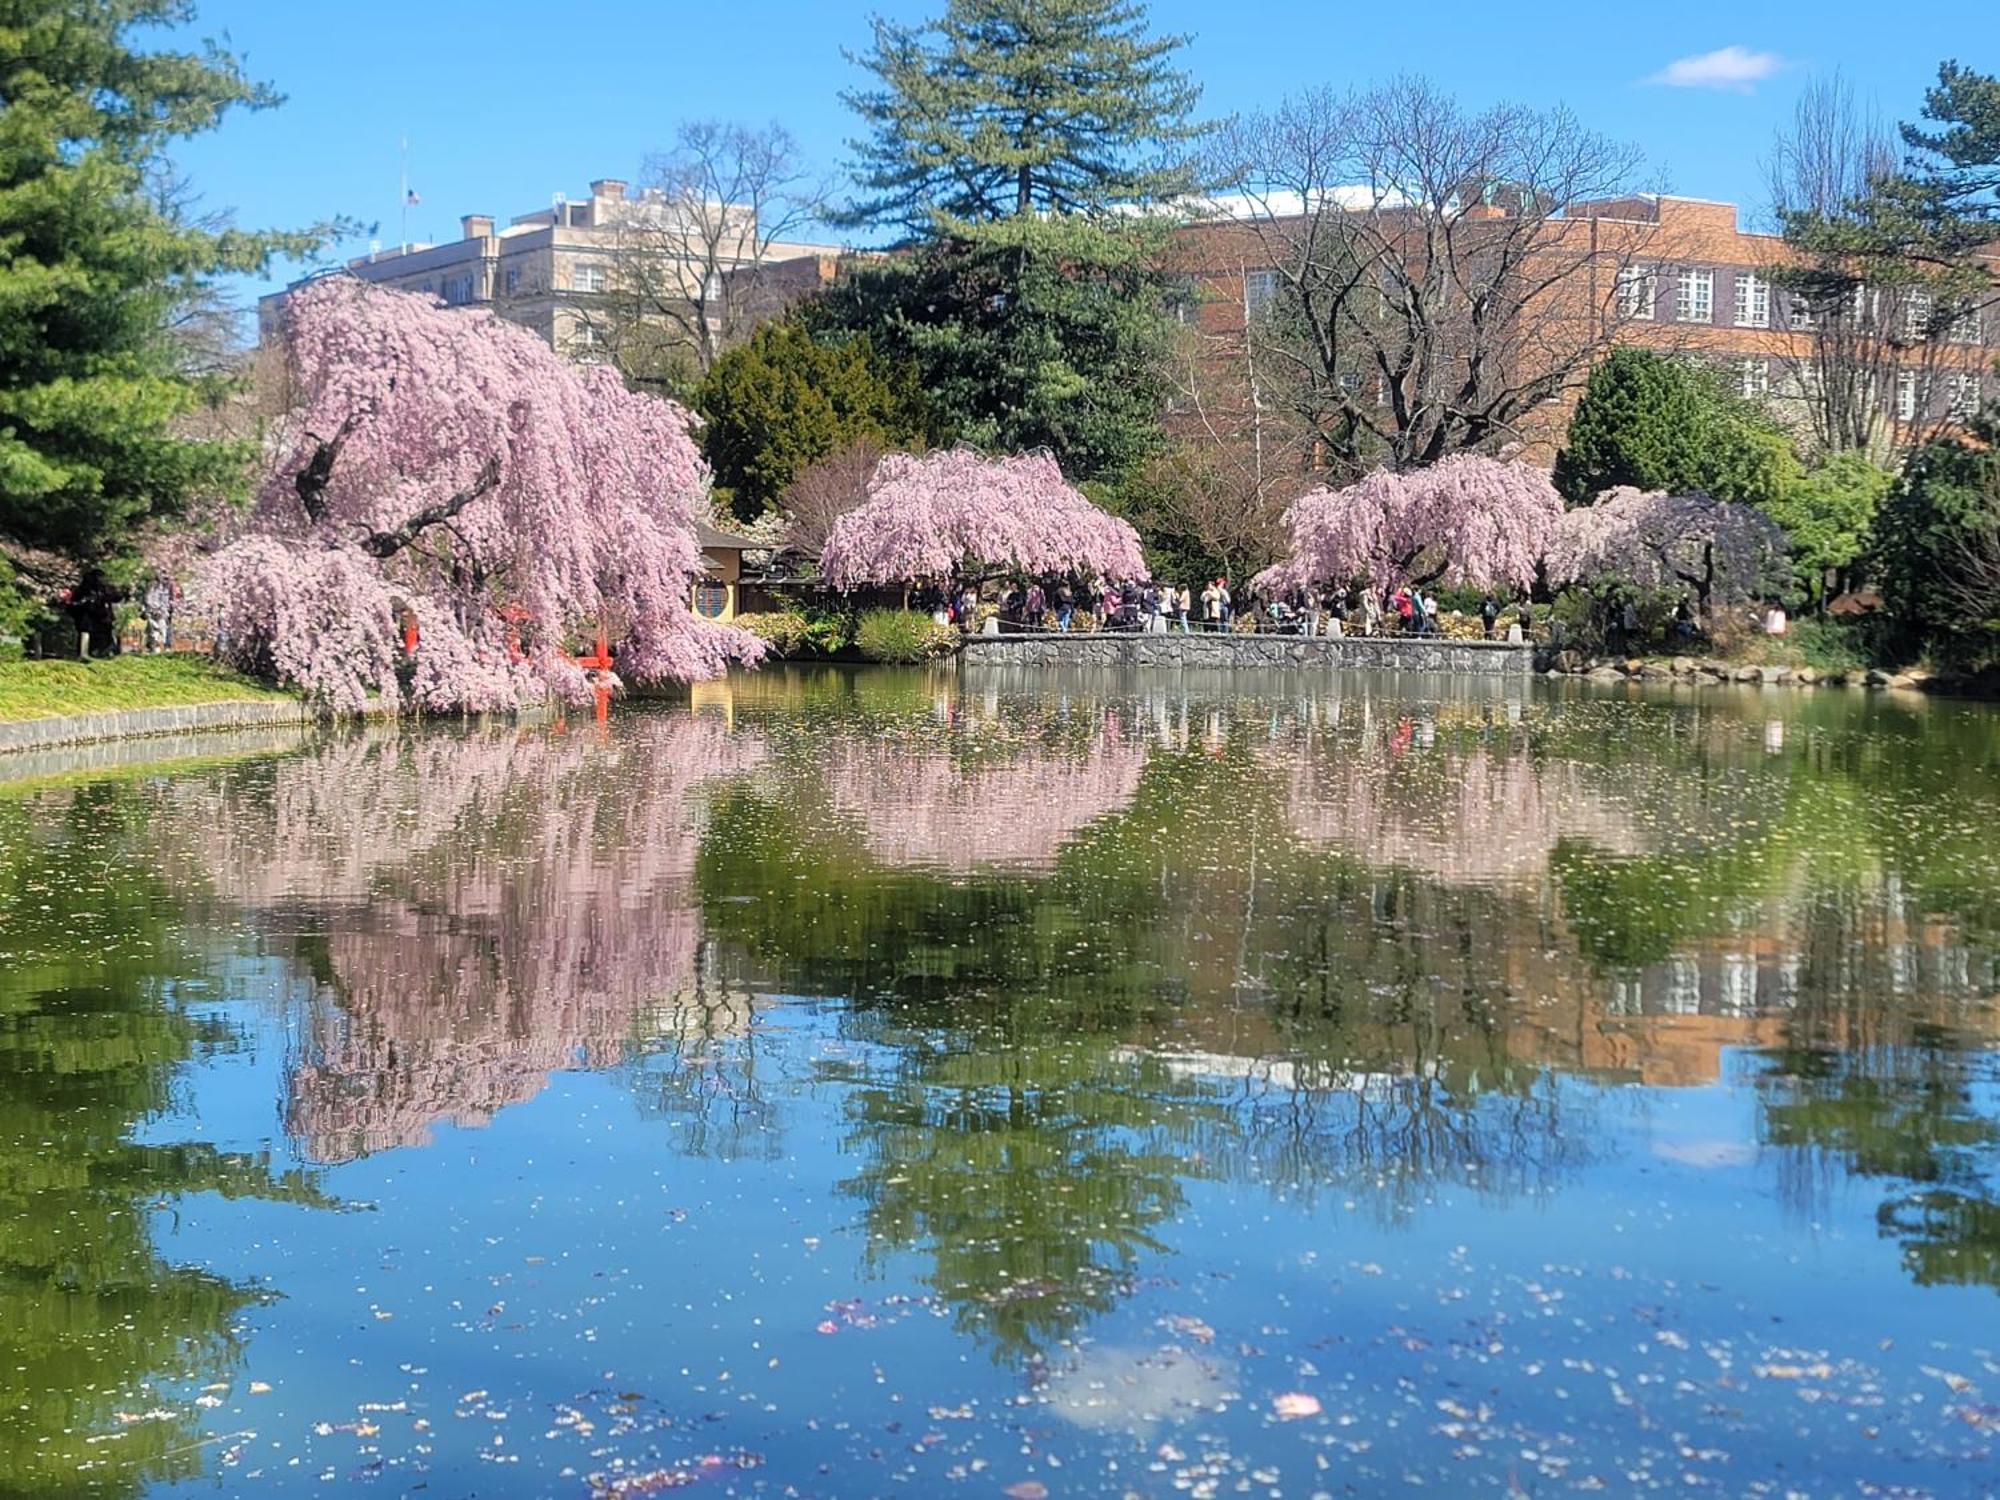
(1962, 389)
(1638, 297)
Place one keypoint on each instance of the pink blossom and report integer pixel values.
(511, 503)
(1723, 551)
(1466, 520)
(927, 518)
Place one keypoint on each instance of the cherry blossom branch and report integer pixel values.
(312, 480)
(387, 544)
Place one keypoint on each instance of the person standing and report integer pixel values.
(1038, 606)
(1489, 614)
(1065, 605)
(1211, 609)
(1224, 603)
(1430, 612)
(1183, 602)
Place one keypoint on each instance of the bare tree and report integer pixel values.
(825, 492)
(690, 268)
(1217, 493)
(1428, 289)
(1879, 331)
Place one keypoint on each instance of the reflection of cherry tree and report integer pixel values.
(932, 808)
(478, 909)
(1474, 817)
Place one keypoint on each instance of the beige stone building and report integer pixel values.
(561, 270)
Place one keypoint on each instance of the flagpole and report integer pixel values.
(403, 202)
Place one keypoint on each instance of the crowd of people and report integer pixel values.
(1164, 607)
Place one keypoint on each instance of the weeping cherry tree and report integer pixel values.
(1720, 551)
(446, 469)
(1467, 520)
(955, 513)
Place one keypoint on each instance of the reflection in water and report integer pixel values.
(475, 910)
(103, 1340)
(1042, 988)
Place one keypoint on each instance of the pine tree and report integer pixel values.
(96, 261)
(1016, 107)
(1650, 423)
(1006, 138)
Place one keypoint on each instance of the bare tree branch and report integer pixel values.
(688, 273)
(1433, 291)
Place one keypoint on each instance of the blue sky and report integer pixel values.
(506, 102)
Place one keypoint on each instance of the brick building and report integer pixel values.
(1674, 274)
(547, 269)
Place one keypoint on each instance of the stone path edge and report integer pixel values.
(137, 723)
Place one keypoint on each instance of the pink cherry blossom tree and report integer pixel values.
(955, 511)
(446, 468)
(1465, 520)
(1722, 552)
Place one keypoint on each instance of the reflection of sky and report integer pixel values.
(567, 1256)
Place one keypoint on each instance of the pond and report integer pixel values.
(871, 1083)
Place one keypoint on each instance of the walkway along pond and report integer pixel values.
(1247, 649)
(1015, 1084)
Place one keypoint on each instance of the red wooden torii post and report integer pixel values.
(599, 664)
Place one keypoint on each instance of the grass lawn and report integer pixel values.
(49, 689)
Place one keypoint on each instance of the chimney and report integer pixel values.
(608, 189)
(476, 226)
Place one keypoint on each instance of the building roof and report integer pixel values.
(710, 536)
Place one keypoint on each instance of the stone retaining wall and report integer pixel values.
(1331, 653)
(79, 729)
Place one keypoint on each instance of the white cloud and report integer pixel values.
(1736, 68)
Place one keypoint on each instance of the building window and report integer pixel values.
(1753, 378)
(1965, 327)
(1260, 290)
(1917, 317)
(1694, 297)
(1962, 396)
(588, 279)
(1803, 314)
(1638, 291)
(1906, 395)
(513, 280)
(458, 289)
(711, 599)
(1753, 300)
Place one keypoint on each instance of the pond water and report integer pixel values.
(882, 1083)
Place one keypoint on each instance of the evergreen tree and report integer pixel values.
(784, 400)
(1937, 549)
(96, 262)
(1651, 423)
(1005, 137)
(1006, 108)
(1039, 334)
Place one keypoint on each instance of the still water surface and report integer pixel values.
(870, 1084)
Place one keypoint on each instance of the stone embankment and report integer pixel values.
(1250, 651)
(1704, 669)
(188, 718)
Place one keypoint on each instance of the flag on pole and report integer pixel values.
(410, 196)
